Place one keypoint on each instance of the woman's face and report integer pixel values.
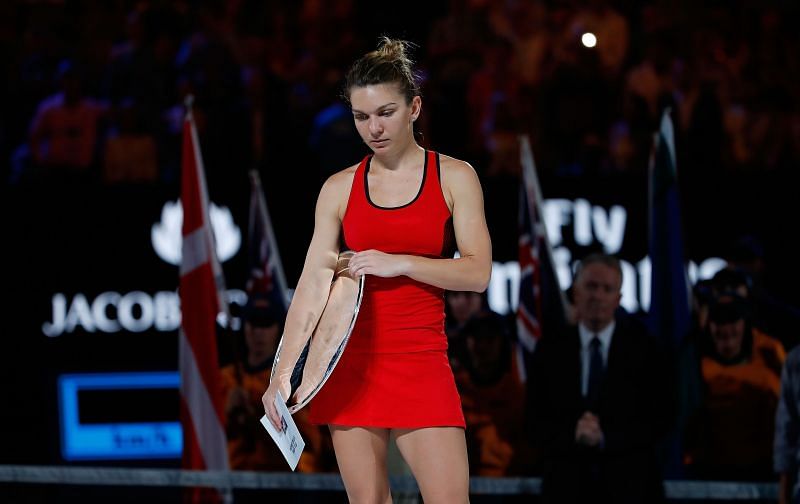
(383, 118)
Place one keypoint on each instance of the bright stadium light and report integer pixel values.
(589, 40)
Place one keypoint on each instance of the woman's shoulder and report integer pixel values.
(456, 173)
(340, 180)
(453, 166)
(336, 190)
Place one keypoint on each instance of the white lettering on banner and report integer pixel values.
(589, 223)
(557, 214)
(582, 222)
(100, 311)
(562, 259)
(162, 311)
(56, 327)
(610, 227)
(125, 311)
(80, 314)
(628, 301)
(112, 312)
(644, 270)
(708, 269)
(168, 311)
(503, 291)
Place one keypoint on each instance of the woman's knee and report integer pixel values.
(451, 491)
(366, 493)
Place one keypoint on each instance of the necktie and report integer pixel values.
(595, 372)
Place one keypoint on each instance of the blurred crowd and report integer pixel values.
(87, 81)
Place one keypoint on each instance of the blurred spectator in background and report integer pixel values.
(141, 64)
(747, 275)
(460, 309)
(729, 281)
(208, 58)
(64, 132)
(492, 389)
(453, 56)
(731, 435)
(501, 184)
(131, 154)
(334, 140)
(249, 446)
(787, 430)
(599, 402)
(492, 89)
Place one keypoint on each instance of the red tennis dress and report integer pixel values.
(394, 372)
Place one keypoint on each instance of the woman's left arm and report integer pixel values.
(469, 272)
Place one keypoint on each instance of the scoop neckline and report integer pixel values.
(419, 192)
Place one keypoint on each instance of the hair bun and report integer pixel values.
(394, 49)
(389, 63)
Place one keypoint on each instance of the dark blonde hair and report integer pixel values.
(387, 64)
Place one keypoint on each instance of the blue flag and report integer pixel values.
(668, 316)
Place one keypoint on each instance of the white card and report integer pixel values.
(288, 439)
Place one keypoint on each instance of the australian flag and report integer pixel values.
(540, 311)
(265, 270)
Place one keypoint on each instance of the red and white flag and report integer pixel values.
(201, 295)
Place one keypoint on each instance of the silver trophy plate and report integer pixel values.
(320, 354)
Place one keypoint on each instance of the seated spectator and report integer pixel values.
(460, 308)
(64, 131)
(770, 313)
(492, 392)
(731, 435)
(249, 445)
(598, 401)
(130, 151)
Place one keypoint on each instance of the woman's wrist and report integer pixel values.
(406, 265)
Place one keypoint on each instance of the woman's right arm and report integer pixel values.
(311, 293)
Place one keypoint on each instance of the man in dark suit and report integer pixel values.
(598, 398)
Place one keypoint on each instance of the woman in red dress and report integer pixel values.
(404, 211)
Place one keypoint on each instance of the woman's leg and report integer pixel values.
(361, 455)
(438, 458)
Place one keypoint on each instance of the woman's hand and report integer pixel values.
(268, 399)
(374, 262)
